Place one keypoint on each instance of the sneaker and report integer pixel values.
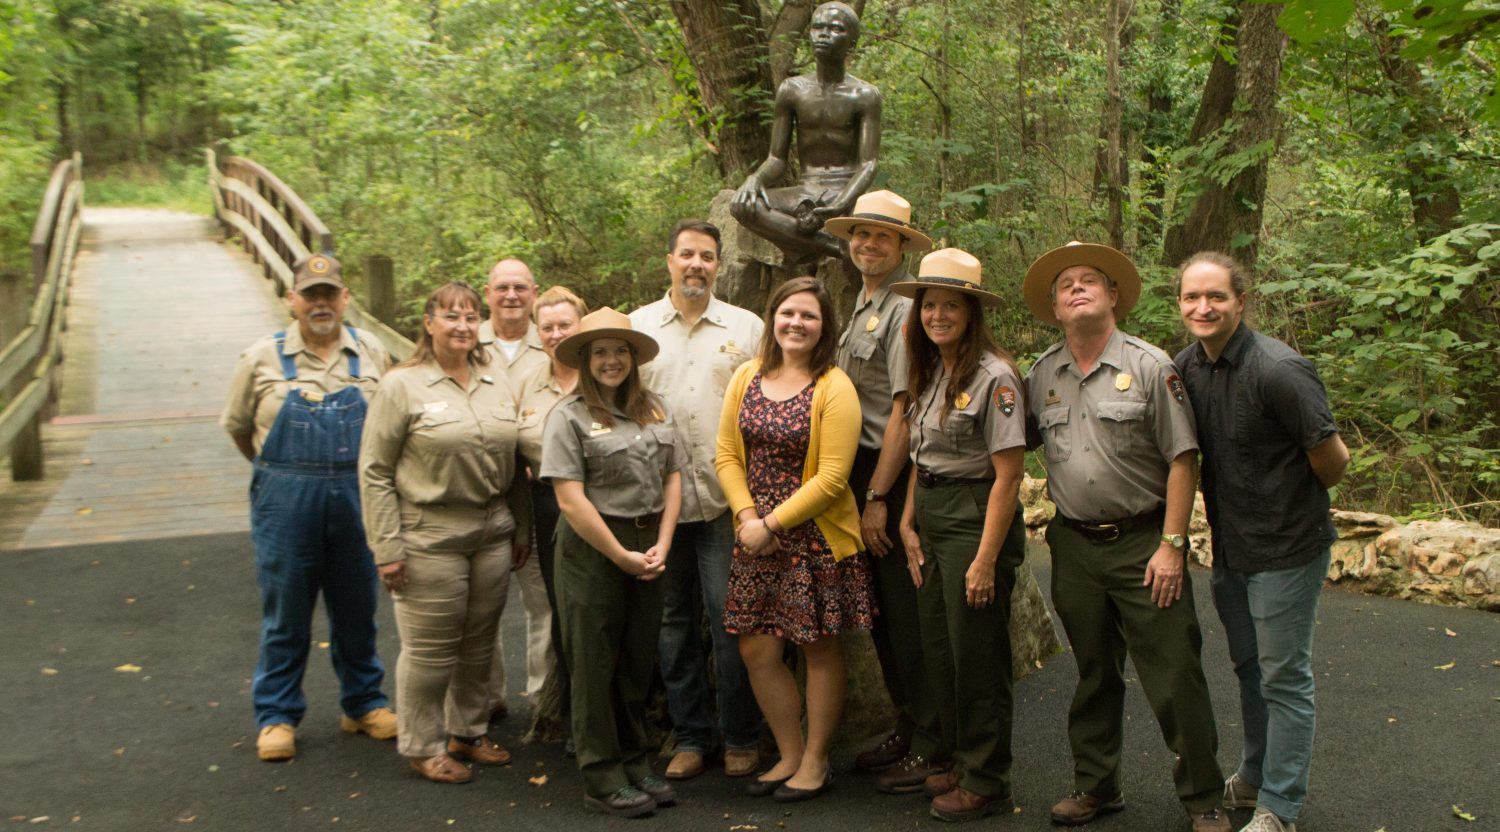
(1214, 820)
(628, 802)
(1238, 794)
(909, 775)
(660, 790)
(1266, 820)
(480, 749)
(1078, 808)
(883, 756)
(276, 742)
(378, 723)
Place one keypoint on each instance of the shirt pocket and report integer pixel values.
(725, 361)
(607, 460)
(664, 439)
(530, 418)
(1054, 424)
(1124, 423)
(959, 430)
(432, 421)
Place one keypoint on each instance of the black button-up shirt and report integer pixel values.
(1260, 409)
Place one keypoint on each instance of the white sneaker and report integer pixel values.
(1266, 820)
(1238, 794)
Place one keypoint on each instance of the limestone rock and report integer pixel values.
(1354, 524)
(1482, 575)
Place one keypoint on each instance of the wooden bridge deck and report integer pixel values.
(159, 312)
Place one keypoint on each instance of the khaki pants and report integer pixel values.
(538, 633)
(458, 571)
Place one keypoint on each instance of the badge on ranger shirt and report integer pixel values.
(1005, 399)
(962, 401)
(1174, 384)
(729, 347)
(435, 407)
(872, 323)
(1123, 381)
(597, 429)
(1053, 398)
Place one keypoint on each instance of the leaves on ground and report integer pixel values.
(128, 668)
(539, 780)
(1462, 815)
(1448, 666)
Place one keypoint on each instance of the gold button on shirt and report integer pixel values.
(429, 442)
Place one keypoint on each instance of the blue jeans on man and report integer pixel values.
(697, 580)
(1268, 621)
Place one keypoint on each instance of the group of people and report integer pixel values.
(790, 479)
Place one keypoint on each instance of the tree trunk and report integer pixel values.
(1239, 99)
(727, 43)
(1112, 159)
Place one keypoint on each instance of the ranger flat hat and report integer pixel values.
(886, 209)
(605, 323)
(317, 270)
(1037, 288)
(949, 268)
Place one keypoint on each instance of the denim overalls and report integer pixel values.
(305, 522)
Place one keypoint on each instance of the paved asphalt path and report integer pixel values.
(90, 746)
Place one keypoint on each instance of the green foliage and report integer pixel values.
(171, 185)
(27, 131)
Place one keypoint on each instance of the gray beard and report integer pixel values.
(694, 292)
(323, 330)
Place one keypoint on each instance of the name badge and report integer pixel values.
(435, 407)
(730, 348)
(597, 429)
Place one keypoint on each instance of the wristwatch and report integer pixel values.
(1177, 541)
(872, 497)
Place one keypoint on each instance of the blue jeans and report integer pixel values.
(309, 538)
(697, 580)
(1268, 620)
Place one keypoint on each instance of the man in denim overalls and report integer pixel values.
(295, 409)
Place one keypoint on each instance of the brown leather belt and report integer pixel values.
(1109, 531)
(644, 521)
(927, 479)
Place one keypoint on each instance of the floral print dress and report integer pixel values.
(799, 593)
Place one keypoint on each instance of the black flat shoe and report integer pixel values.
(761, 788)
(788, 794)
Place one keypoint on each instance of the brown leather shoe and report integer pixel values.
(378, 723)
(883, 756)
(1214, 820)
(960, 804)
(1078, 808)
(909, 775)
(937, 784)
(440, 768)
(276, 742)
(480, 749)
(685, 765)
(740, 762)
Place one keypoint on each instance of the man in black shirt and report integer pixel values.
(1271, 451)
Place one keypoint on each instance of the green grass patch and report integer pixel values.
(169, 185)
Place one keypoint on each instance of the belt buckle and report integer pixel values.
(925, 478)
(1109, 532)
(642, 521)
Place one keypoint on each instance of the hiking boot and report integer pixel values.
(909, 775)
(628, 802)
(378, 723)
(1238, 794)
(480, 749)
(938, 784)
(883, 756)
(276, 742)
(660, 790)
(960, 804)
(441, 768)
(1214, 820)
(1266, 820)
(1078, 808)
(685, 765)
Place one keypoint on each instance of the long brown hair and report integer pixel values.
(825, 351)
(639, 404)
(926, 362)
(448, 296)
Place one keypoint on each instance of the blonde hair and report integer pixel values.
(556, 295)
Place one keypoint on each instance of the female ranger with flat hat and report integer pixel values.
(962, 525)
(609, 451)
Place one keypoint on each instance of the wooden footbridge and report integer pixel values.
(115, 354)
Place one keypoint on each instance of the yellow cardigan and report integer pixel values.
(824, 497)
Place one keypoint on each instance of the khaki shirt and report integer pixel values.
(429, 443)
(1111, 435)
(529, 355)
(258, 387)
(986, 418)
(621, 466)
(691, 374)
(539, 393)
(872, 352)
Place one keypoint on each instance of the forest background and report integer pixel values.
(1348, 150)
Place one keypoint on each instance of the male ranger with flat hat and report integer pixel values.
(872, 351)
(295, 409)
(1121, 467)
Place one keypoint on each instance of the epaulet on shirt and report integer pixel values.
(1047, 352)
(1149, 349)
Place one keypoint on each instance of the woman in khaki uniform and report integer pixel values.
(962, 525)
(610, 453)
(444, 503)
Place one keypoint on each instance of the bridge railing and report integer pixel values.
(32, 317)
(277, 228)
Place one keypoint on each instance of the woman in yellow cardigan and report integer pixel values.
(787, 438)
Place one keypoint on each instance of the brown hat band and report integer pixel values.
(877, 218)
(948, 281)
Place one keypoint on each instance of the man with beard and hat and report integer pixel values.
(295, 409)
(1121, 456)
(703, 340)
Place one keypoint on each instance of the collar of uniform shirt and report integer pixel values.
(1113, 355)
(713, 313)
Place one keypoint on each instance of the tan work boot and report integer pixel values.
(1078, 808)
(740, 762)
(685, 765)
(276, 742)
(379, 724)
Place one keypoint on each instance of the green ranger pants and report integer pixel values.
(610, 622)
(967, 650)
(1107, 613)
(896, 632)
